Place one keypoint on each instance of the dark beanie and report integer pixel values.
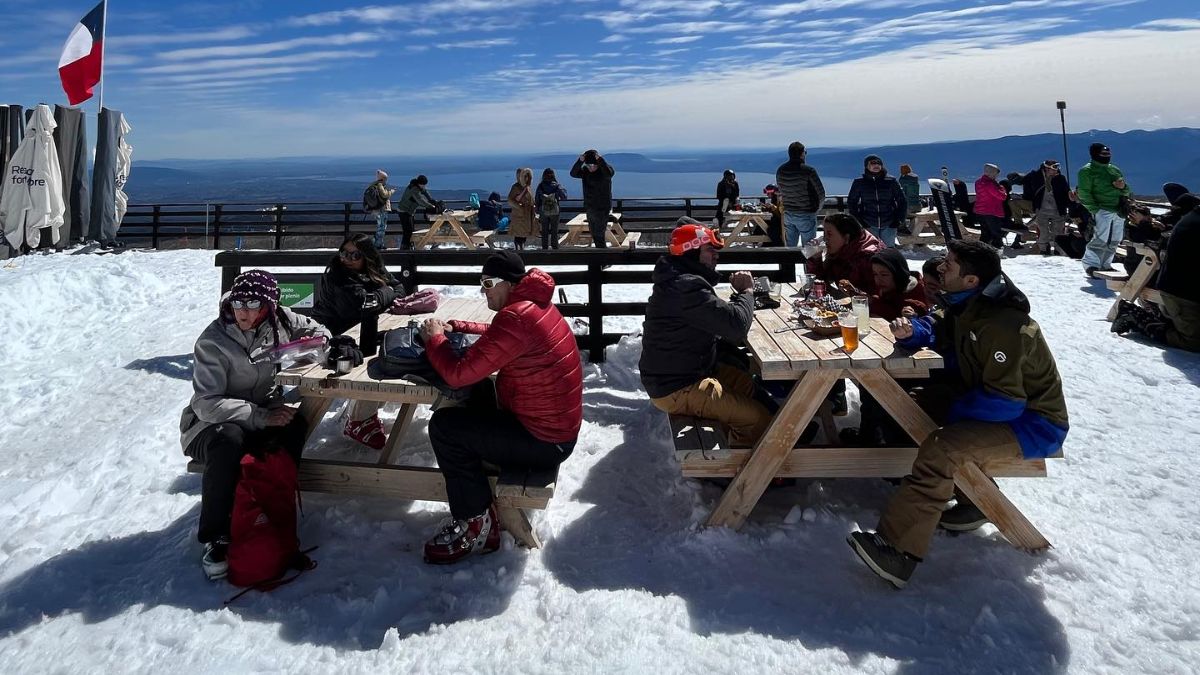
(1173, 191)
(894, 261)
(1099, 151)
(256, 285)
(506, 265)
(871, 158)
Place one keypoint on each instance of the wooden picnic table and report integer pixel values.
(455, 222)
(743, 224)
(816, 363)
(579, 233)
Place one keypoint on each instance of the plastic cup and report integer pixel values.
(849, 323)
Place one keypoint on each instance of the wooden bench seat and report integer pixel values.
(483, 238)
(1113, 276)
(631, 240)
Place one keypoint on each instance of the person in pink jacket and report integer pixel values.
(989, 206)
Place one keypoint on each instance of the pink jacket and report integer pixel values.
(989, 197)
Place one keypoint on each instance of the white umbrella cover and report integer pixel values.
(33, 196)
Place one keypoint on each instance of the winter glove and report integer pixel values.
(343, 347)
(712, 387)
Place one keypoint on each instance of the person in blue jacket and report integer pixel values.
(1007, 405)
(490, 212)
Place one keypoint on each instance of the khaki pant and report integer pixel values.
(913, 512)
(1050, 225)
(1185, 320)
(727, 398)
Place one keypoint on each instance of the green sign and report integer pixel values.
(296, 295)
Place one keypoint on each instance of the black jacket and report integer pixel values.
(684, 321)
(1178, 275)
(800, 186)
(339, 303)
(877, 200)
(597, 185)
(1035, 190)
(728, 190)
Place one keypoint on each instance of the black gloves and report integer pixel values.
(343, 347)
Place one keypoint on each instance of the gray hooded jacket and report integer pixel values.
(227, 386)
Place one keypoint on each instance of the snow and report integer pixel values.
(99, 567)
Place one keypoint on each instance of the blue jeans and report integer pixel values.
(1110, 228)
(380, 228)
(798, 227)
(886, 234)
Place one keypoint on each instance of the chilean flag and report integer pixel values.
(80, 65)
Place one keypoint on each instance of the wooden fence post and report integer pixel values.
(217, 226)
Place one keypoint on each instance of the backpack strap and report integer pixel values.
(300, 562)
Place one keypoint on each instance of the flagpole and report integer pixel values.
(103, 47)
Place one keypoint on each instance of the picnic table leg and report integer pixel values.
(313, 409)
(1140, 278)
(773, 448)
(970, 478)
(399, 428)
(516, 522)
(1013, 524)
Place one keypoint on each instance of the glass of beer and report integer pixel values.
(849, 324)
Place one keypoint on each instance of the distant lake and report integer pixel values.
(626, 184)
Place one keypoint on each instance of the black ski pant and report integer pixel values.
(598, 224)
(991, 230)
(549, 231)
(221, 448)
(406, 230)
(463, 438)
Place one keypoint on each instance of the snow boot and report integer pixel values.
(891, 565)
(215, 561)
(369, 432)
(962, 517)
(462, 538)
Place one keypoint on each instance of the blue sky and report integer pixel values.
(253, 78)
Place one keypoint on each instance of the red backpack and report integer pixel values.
(263, 544)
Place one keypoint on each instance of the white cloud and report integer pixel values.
(682, 39)
(219, 35)
(232, 65)
(476, 44)
(614, 38)
(401, 14)
(1181, 24)
(339, 40)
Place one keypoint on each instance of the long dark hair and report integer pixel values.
(373, 266)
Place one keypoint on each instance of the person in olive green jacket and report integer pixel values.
(1010, 405)
(1101, 186)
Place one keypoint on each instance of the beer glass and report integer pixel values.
(849, 323)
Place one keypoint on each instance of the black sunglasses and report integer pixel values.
(350, 255)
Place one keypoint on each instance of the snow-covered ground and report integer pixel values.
(99, 567)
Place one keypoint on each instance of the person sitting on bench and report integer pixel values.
(685, 321)
(539, 392)
(236, 407)
(1012, 408)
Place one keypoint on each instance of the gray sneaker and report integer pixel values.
(891, 565)
(215, 561)
(962, 517)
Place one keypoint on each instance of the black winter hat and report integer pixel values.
(1099, 151)
(872, 158)
(506, 265)
(896, 264)
(1173, 191)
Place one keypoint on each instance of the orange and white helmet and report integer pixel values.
(690, 235)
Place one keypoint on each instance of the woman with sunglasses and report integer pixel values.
(235, 407)
(356, 284)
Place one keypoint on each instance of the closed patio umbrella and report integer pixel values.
(71, 140)
(108, 176)
(32, 196)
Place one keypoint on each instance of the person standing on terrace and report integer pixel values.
(383, 200)
(877, 200)
(803, 196)
(728, 193)
(596, 176)
(415, 196)
(1101, 188)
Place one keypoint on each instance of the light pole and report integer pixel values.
(1062, 117)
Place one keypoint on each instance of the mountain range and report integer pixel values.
(1148, 159)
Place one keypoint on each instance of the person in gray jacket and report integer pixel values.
(235, 408)
(415, 196)
(803, 196)
(685, 321)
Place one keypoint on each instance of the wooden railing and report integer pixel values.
(296, 225)
(432, 268)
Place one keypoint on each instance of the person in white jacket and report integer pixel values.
(236, 407)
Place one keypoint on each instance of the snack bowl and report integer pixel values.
(824, 329)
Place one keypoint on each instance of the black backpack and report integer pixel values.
(402, 354)
(373, 198)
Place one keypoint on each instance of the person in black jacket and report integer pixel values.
(685, 321)
(596, 175)
(803, 195)
(1049, 206)
(356, 284)
(877, 200)
(728, 193)
(490, 212)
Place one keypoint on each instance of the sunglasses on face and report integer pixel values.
(350, 255)
(245, 304)
(489, 282)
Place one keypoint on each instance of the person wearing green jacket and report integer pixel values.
(1101, 186)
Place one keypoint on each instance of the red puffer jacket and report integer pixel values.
(540, 376)
(852, 262)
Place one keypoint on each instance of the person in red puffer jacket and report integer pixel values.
(538, 409)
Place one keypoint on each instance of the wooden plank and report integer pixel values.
(1137, 282)
(772, 449)
(882, 342)
(313, 410)
(796, 349)
(516, 522)
(828, 350)
(769, 348)
(896, 402)
(396, 436)
(839, 462)
(1013, 524)
(864, 356)
(540, 484)
(511, 483)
